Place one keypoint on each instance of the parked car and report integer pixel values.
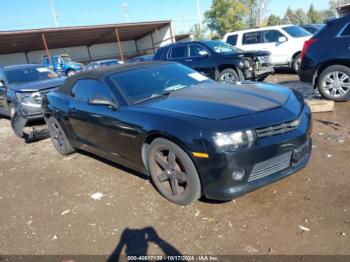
(218, 60)
(326, 60)
(285, 43)
(312, 28)
(142, 58)
(192, 135)
(63, 64)
(103, 63)
(21, 90)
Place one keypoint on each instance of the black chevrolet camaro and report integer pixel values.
(192, 135)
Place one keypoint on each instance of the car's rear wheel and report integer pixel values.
(173, 172)
(228, 76)
(296, 63)
(58, 137)
(334, 83)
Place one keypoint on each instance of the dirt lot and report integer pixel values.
(46, 208)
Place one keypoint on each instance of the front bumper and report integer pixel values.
(30, 113)
(217, 172)
(259, 73)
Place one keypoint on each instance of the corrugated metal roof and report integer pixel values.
(29, 40)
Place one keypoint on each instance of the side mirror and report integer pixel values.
(2, 83)
(282, 39)
(203, 53)
(103, 102)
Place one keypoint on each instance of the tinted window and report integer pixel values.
(85, 89)
(251, 38)
(346, 31)
(232, 40)
(178, 52)
(109, 63)
(195, 49)
(149, 82)
(29, 74)
(271, 36)
(96, 65)
(296, 31)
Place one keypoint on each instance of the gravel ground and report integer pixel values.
(46, 204)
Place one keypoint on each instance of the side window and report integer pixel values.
(86, 89)
(232, 40)
(195, 49)
(271, 36)
(252, 38)
(89, 67)
(346, 31)
(178, 52)
(96, 65)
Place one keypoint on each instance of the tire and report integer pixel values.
(296, 63)
(58, 137)
(173, 172)
(334, 83)
(70, 72)
(228, 76)
(18, 123)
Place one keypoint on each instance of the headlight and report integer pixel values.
(29, 98)
(236, 140)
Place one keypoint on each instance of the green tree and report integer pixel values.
(274, 20)
(313, 15)
(289, 17)
(301, 17)
(198, 32)
(227, 16)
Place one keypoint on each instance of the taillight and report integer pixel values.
(306, 46)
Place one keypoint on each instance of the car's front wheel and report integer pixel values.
(58, 137)
(71, 72)
(334, 83)
(228, 76)
(173, 172)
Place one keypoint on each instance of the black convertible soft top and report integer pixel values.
(101, 73)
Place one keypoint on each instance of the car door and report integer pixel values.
(92, 124)
(199, 58)
(271, 42)
(177, 53)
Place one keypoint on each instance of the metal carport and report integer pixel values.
(84, 43)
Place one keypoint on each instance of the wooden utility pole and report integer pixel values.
(119, 45)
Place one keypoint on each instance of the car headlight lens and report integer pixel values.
(29, 98)
(235, 140)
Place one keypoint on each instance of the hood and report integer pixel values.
(218, 101)
(38, 85)
(75, 65)
(252, 53)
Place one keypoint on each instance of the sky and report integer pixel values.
(28, 14)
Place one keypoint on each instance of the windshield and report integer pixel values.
(66, 59)
(145, 83)
(221, 47)
(29, 74)
(296, 31)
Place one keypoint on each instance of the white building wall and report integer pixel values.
(13, 59)
(101, 51)
(160, 38)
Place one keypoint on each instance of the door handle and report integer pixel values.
(188, 60)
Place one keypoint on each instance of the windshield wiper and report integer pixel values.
(155, 95)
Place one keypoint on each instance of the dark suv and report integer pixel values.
(218, 60)
(326, 60)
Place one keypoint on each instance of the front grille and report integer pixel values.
(278, 129)
(271, 166)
